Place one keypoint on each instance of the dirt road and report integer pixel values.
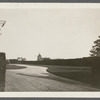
(35, 78)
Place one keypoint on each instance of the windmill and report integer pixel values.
(2, 23)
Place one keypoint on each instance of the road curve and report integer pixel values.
(36, 78)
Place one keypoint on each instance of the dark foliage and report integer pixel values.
(2, 71)
(87, 61)
(95, 51)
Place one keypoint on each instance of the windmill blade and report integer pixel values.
(2, 23)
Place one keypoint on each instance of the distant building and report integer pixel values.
(40, 58)
(21, 59)
(46, 58)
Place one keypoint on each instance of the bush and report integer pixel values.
(2, 71)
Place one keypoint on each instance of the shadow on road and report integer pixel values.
(55, 78)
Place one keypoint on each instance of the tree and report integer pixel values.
(95, 51)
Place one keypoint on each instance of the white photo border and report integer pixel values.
(49, 94)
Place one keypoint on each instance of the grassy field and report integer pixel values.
(82, 74)
(15, 67)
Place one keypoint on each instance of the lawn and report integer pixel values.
(82, 73)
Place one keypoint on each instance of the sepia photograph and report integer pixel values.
(49, 47)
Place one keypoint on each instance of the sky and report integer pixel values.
(53, 32)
